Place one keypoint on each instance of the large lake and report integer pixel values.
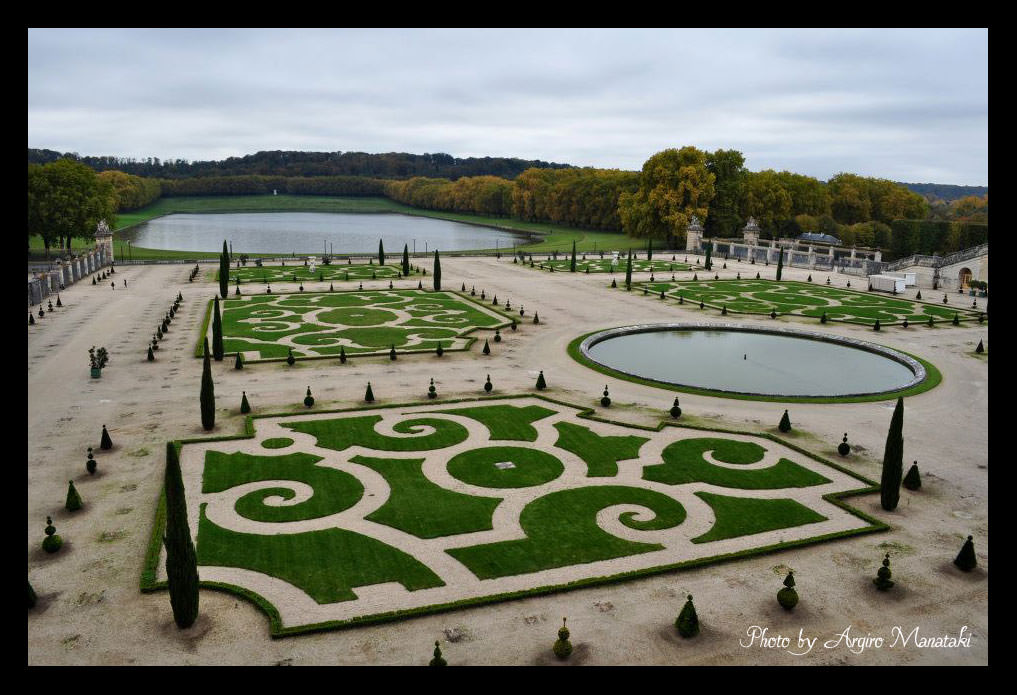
(307, 232)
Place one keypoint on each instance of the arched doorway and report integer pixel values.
(963, 278)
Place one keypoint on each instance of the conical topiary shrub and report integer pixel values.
(437, 660)
(181, 560)
(956, 320)
(52, 542)
(606, 400)
(875, 326)
(930, 322)
(90, 463)
(73, 501)
(31, 320)
(536, 317)
(562, 647)
(106, 443)
(788, 597)
(844, 448)
(392, 353)
(676, 411)
(488, 385)
(151, 354)
(966, 559)
(207, 394)
(919, 295)
(432, 392)
(822, 319)
(882, 580)
(290, 360)
(905, 323)
(245, 406)
(439, 351)
(342, 355)
(239, 362)
(369, 396)
(687, 622)
(913, 480)
(541, 384)
(980, 349)
(785, 423)
(773, 314)
(893, 463)
(487, 348)
(308, 399)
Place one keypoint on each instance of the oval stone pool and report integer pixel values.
(751, 361)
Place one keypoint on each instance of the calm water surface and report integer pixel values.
(306, 232)
(751, 363)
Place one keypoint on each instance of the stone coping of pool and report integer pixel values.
(914, 365)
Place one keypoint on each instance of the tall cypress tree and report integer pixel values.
(217, 349)
(649, 250)
(780, 263)
(436, 274)
(224, 271)
(893, 460)
(381, 253)
(709, 252)
(628, 272)
(572, 265)
(207, 393)
(181, 561)
(406, 260)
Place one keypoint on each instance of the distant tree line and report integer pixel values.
(265, 185)
(397, 165)
(131, 192)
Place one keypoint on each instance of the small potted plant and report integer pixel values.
(97, 359)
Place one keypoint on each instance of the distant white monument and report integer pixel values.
(104, 239)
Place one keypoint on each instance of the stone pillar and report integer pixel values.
(852, 253)
(35, 291)
(812, 258)
(878, 257)
(75, 272)
(66, 276)
(694, 236)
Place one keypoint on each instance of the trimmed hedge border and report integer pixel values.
(149, 584)
(470, 339)
(932, 379)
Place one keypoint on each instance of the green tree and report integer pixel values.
(406, 260)
(224, 271)
(381, 253)
(572, 263)
(893, 460)
(628, 272)
(217, 346)
(436, 274)
(674, 185)
(780, 263)
(207, 393)
(181, 561)
(66, 200)
(766, 198)
(724, 218)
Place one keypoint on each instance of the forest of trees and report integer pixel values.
(66, 200)
(657, 202)
(389, 165)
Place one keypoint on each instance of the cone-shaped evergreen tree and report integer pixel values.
(562, 647)
(572, 263)
(709, 252)
(628, 272)
(406, 260)
(245, 406)
(392, 353)
(181, 561)
(381, 253)
(106, 443)
(342, 355)
(436, 274)
(688, 622)
(217, 349)
(369, 396)
(151, 355)
(882, 580)
(919, 295)
(224, 271)
(966, 559)
(437, 660)
(875, 326)
(956, 320)
(536, 317)
(893, 460)
(439, 351)
(487, 347)
(308, 399)
(913, 480)
(780, 264)
(90, 463)
(905, 324)
(788, 597)
(488, 385)
(207, 393)
(32, 598)
(541, 384)
(73, 501)
(930, 322)
(785, 423)
(981, 348)
(290, 359)
(844, 448)
(238, 363)
(31, 320)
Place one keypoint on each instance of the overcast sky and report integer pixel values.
(903, 104)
